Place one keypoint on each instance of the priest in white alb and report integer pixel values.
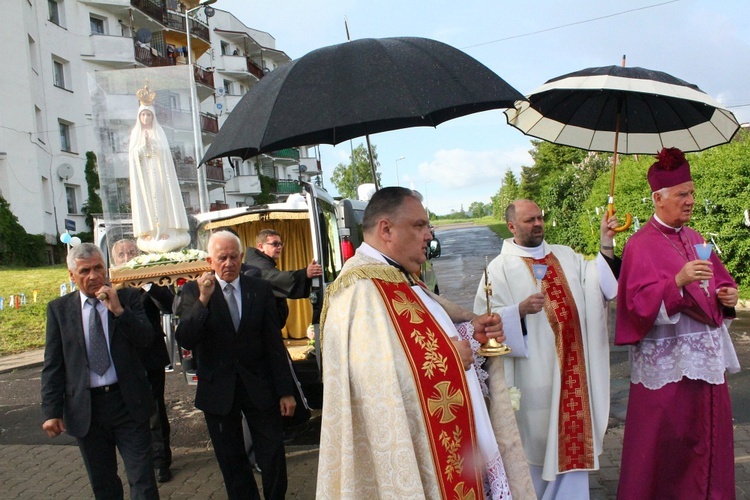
(553, 304)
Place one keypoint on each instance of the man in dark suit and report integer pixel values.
(93, 383)
(155, 299)
(231, 320)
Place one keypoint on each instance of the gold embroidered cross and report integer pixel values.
(444, 401)
(402, 305)
(463, 492)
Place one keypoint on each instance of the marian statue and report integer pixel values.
(160, 223)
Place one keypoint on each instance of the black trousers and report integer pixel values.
(112, 428)
(159, 422)
(229, 446)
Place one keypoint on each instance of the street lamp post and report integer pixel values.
(398, 180)
(198, 141)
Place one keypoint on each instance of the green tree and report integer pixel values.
(550, 161)
(479, 209)
(93, 205)
(722, 195)
(268, 186)
(347, 177)
(17, 247)
(632, 195)
(563, 199)
(509, 191)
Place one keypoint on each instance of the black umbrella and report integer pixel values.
(623, 110)
(359, 88)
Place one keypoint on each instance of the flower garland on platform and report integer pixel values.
(155, 259)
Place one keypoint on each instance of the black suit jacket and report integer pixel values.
(285, 284)
(65, 376)
(255, 353)
(156, 300)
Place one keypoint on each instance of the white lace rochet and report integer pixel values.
(680, 346)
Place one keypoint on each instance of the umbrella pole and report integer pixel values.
(372, 163)
(611, 200)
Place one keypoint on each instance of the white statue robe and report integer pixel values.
(373, 437)
(155, 196)
(533, 365)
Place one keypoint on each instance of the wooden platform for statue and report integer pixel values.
(159, 274)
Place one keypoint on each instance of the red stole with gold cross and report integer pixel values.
(574, 428)
(443, 392)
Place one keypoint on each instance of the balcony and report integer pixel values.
(203, 76)
(284, 186)
(254, 69)
(243, 185)
(175, 118)
(288, 153)
(233, 64)
(146, 56)
(218, 205)
(111, 49)
(209, 123)
(214, 171)
(153, 8)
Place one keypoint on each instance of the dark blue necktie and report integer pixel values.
(98, 351)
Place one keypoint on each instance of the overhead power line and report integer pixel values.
(593, 19)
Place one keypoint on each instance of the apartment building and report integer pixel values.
(55, 49)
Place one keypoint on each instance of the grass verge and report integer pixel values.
(22, 329)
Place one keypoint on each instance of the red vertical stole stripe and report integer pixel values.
(574, 427)
(440, 380)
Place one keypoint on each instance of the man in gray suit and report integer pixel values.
(94, 386)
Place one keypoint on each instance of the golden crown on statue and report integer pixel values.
(146, 96)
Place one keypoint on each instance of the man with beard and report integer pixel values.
(556, 325)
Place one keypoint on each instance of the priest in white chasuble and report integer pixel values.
(403, 410)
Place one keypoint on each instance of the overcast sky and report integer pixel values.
(526, 42)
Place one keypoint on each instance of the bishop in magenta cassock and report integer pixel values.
(673, 310)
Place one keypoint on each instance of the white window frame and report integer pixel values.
(58, 73)
(71, 199)
(99, 19)
(56, 12)
(66, 136)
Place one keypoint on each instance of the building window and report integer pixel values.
(55, 12)
(70, 196)
(58, 74)
(66, 143)
(39, 124)
(224, 48)
(33, 56)
(227, 87)
(97, 25)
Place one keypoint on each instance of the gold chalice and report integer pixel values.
(492, 347)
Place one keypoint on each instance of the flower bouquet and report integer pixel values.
(160, 268)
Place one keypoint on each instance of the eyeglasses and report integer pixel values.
(275, 244)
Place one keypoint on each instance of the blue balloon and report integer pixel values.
(65, 237)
